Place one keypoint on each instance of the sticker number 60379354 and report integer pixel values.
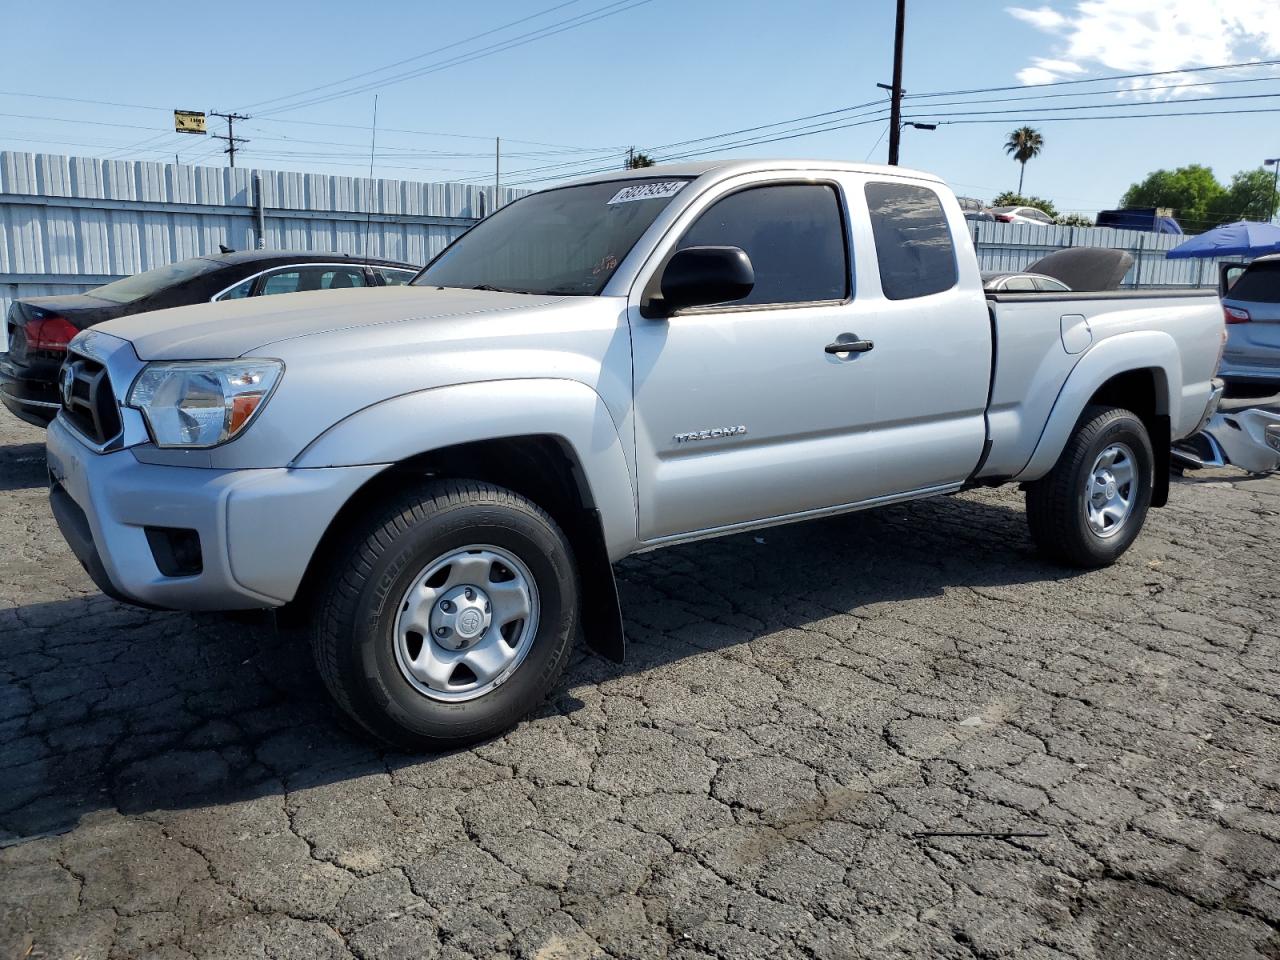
(648, 191)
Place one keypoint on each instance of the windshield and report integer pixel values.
(564, 241)
(142, 285)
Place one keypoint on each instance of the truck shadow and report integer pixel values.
(104, 706)
(22, 466)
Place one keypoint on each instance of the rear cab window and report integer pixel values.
(914, 248)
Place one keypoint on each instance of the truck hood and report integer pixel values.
(235, 328)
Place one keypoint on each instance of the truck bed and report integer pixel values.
(1040, 338)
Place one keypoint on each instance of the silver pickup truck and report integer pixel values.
(440, 475)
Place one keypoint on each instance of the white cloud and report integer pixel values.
(1042, 17)
(1033, 75)
(1044, 70)
(1058, 66)
(1142, 36)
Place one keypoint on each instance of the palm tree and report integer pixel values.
(1023, 144)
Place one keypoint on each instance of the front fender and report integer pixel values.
(416, 423)
(1140, 350)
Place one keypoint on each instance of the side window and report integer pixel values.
(299, 279)
(1020, 283)
(391, 277)
(238, 292)
(286, 281)
(913, 240)
(1046, 285)
(794, 235)
(341, 278)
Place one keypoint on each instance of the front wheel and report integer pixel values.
(1090, 507)
(447, 617)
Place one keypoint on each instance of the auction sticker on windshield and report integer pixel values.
(649, 191)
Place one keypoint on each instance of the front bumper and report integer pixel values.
(257, 529)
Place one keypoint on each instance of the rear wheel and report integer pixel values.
(447, 617)
(1091, 506)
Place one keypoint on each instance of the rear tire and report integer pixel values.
(1087, 511)
(448, 616)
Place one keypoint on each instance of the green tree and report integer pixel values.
(1193, 192)
(1011, 199)
(1250, 197)
(1075, 220)
(1023, 144)
(637, 159)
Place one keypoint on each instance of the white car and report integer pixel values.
(1022, 215)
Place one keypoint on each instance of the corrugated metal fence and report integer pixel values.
(1013, 246)
(71, 223)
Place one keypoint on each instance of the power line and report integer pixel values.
(1119, 116)
(1117, 76)
(781, 123)
(420, 152)
(843, 110)
(844, 126)
(715, 136)
(92, 123)
(285, 120)
(420, 56)
(1103, 93)
(600, 13)
(427, 133)
(1107, 106)
(97, 103)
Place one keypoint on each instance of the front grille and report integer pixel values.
(88, 401)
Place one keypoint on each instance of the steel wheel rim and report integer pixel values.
(473, 610)
(1110, 490)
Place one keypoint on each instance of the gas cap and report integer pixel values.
(1076, 335)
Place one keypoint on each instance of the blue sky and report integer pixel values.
(651, 74)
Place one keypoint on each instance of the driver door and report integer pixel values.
(737, 405)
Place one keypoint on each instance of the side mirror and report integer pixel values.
(698, 276)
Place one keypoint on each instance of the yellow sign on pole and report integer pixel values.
(188, 121)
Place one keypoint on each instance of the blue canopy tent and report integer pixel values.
(1242, 239)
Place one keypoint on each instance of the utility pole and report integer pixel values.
(631, 158)
(895, 105)
(1275, 179)
(230, 135)
(497, 169)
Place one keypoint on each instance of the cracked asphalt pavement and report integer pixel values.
(894, 734)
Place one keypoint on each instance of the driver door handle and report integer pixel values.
(850, 346)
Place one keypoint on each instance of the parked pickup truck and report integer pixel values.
(440, 475)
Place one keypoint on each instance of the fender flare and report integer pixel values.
(412, 424)
(1151, 350)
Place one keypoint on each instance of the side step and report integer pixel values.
(1199, 451)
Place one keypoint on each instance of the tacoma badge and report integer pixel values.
(715, 433)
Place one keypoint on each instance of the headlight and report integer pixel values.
(202, 403)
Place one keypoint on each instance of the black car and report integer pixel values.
(38, 329)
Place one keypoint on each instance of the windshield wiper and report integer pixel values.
(490, 287)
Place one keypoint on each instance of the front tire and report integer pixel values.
(448, 616)
(1087, 511)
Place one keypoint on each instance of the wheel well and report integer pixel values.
(1145, 392)
(542, 468)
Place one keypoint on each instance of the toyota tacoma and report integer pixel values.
(440, 475)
